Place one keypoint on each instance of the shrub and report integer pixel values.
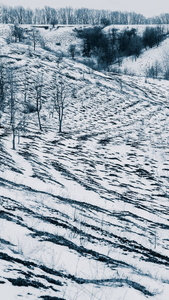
(17, 32)
(72, 50)
(152, 36)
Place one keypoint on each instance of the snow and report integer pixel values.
(84, 213)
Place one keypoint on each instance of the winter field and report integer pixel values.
(84, 213)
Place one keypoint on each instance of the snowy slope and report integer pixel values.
(61, 37)
(84, 214)
(157, 56)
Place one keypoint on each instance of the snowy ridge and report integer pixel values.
(84, 214)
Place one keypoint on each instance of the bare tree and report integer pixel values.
(20, 11)
(59, 96)
(72, 50)
(17, 32)
(12, 103)
(60, 57)
(15, 104)
(26, 101)
(38, 89)
(2, 87)
(35, 37)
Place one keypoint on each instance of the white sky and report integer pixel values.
(146, 7)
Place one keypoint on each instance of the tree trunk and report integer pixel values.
(18, 136)
(13, 138)
(40, 126)
(60, 126)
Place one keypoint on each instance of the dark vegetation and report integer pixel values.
(112, 46)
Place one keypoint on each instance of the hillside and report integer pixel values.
(84, 213)
(156, 58)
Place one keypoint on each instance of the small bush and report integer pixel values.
(166, 74)
(30, 109)
(72, 50)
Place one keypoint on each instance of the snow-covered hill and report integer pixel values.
(84, 213)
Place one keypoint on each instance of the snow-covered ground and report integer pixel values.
(61, 37)
(156, 57)
(84, 214)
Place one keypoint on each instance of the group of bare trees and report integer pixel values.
(8, 97)
(19, 98)
(161, 19)
(18, 34)
(68, 15)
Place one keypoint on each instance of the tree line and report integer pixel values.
(68, 15)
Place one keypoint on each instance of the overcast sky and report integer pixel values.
(146, 7)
